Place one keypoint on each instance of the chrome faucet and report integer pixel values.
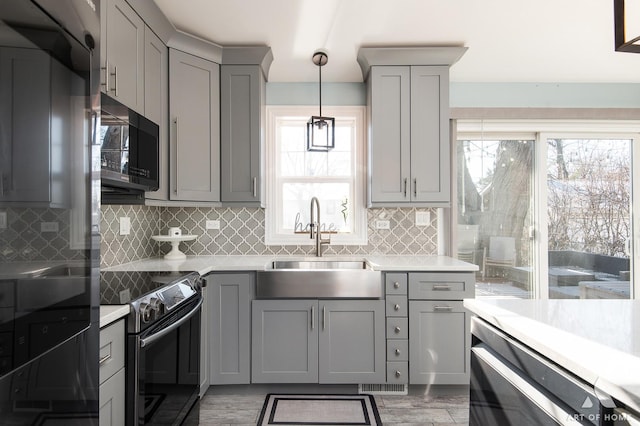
(318, 232)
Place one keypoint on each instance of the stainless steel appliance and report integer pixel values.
(513, 385)
(163, 343)
(129, 154)
(49, 211)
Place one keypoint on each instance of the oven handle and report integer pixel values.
(149, 340)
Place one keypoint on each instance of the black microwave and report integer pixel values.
(129, 157)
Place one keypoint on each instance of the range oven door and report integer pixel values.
(164, 381)
(513, 385)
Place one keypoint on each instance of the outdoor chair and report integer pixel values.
(501, 254)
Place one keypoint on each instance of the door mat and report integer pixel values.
(308, 410)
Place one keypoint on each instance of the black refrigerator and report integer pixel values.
(49, 212)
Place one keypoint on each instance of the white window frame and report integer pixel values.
(274, 204)
(542, 130)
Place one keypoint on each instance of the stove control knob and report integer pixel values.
(145, 312)
(157, 305)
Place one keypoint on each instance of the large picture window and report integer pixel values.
(295, 175)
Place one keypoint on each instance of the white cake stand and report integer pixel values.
(175, 253)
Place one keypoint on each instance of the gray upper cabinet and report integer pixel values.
(35, 86)
(229, 325)
(122, 54)
(409, 139)
(156, 103)
(194, 111)
(242, 91)
(408, 96)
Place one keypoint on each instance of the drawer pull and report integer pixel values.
(443, 308)
(398, 373)
(104, 359)
(442, 287)
(396, 307)
(396, 284)
(397, 351)
(396, 329)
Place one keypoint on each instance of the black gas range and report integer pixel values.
(163, 343)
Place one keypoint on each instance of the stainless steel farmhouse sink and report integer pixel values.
(327, 279)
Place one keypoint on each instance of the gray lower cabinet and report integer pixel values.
(311, 341)
(194, 111)
(439, 337)
(229, 323)
(112, 374)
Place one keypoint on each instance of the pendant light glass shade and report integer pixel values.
(320, 130)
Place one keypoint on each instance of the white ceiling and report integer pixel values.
(508, 40)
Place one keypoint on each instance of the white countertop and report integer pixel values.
(206, 264)
(112, 313)
(598, 340)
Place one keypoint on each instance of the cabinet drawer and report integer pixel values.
(398, 372)
(441, 285)
(397, 328)
(111, 350)
(397, 350)
(112, 402)
(395, 283)
(397, 306)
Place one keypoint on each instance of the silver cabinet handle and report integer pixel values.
(255, 187)
(104, 359)
(396, 284)
(324, 316)
(397, 351)
(396, 307)
(396, 329)
(442, 308)
(415, 187)
(442, 287)
(175, 178)
(106, 76)
(313, 317)
(115, 80)
(405, 187)
(398, 373)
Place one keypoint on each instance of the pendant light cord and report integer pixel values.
(320, 84)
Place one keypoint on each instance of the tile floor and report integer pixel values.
(241, 405)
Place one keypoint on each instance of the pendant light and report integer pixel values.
(320, 130)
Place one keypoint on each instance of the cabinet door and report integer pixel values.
(156, 103)
(242, 104)
(230, 327)
(112, 406)
(390, 136)
(25, 108)
(194, 88)
(284, 341)
(439, 342)
(124, 47)
(430, 134)
(352, 341)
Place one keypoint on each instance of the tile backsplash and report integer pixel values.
(242, 233)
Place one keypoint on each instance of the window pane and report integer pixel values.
(588, 204)
(336, 211)
(495, 204)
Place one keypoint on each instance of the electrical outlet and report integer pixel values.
(423, 218)
(125, 296)
(49, 226)
(383, 224)
(125, 226)
(3, 220)
(212, 224)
